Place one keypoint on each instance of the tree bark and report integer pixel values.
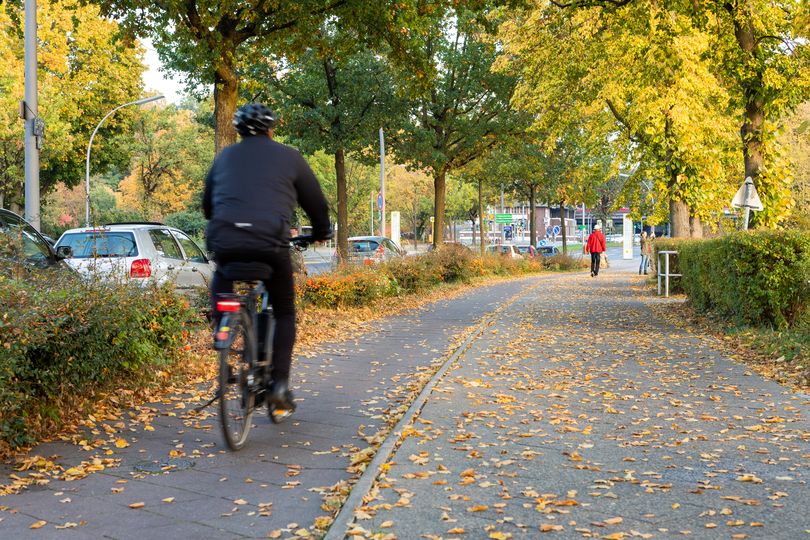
(679, 218)
(342, 207)
(752, 128)
(226, 93)
(439, 178)
(695, 227)
(562, 227)
(481, 214)
(532, 210)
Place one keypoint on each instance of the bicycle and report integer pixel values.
(243, 339)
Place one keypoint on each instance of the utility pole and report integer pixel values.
(382, 182)
(30, 114)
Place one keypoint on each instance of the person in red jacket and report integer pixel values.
(596, 246)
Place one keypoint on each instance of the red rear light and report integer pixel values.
(228, 306)
(141, 268)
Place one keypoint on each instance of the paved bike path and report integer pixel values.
(588, 417)
(202, 491)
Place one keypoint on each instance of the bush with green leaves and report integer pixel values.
(62, 337)
(759, 278)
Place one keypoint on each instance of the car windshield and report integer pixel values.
(363, 246)
(33, 247)
(90, 244)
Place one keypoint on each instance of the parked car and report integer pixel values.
(371, 250)
(141, 252)
(35, 253)
(548, 251)
(528, 251)
(507, 250)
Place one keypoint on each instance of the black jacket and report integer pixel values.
(251, 193)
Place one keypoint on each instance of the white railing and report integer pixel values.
(666, 275)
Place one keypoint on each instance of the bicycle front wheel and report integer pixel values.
(236, 401)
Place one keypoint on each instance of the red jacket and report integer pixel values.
(596, 242)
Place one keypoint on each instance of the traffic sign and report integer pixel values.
(556, 230)
(379, 200)
(503, 218)
(549, 230)
(747, 197)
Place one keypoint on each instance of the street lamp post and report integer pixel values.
(90, 144)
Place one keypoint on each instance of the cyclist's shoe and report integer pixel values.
(281, 397)
(280, 404)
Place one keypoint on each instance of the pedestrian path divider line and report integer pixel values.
(345, 517)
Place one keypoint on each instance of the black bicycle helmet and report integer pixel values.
(253, 119)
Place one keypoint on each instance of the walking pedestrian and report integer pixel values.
(651, 253)
(645, 253)
(596, 245)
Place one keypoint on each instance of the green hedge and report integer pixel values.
(62, 338)
(757, 278)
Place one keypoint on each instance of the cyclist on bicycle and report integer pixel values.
(250, 195)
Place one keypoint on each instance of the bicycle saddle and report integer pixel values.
(245, 271)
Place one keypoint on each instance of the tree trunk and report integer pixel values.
(438, 207)
(679, 218)
(752, 128)
(695, 227)
(226, 93)
(342, 207)
(481, 215)
(532, 210)
(562, 227)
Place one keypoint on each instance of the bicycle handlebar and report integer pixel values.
(302, 241)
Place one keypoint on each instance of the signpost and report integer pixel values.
(747, 198)
(627, 237)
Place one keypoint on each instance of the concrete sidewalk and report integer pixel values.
(586, 416)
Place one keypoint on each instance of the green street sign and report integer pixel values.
(503, 218)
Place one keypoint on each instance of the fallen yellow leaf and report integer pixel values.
(38, 524)
(137, 505)
(478, 508)
(121, 443)
(548, 527)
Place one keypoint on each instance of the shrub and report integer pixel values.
(63, 337)
(758, 278)
(347, 288)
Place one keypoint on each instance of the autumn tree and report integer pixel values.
(758, 51)
(636, 78)
(170, 154)
(211, 42)
(459, 108)
(85, 69)
(332, 99)
(410, 192)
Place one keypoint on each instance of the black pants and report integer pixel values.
(281, 289)
(595, 260)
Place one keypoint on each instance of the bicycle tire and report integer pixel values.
(235, 365)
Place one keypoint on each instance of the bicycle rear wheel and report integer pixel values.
(236, 401)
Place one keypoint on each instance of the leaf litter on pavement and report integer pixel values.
(648, 433)
(118, 420)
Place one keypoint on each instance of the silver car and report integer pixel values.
(138, 252)
(369, 250)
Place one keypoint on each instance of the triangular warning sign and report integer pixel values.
(753, 202)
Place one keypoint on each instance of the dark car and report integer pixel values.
(548, 251)
(23, 247)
